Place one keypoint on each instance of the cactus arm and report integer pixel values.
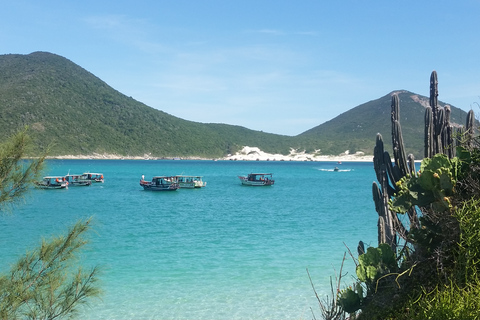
(470, 130)
(397, 137)
(428, 132)
(411, 165)
(447, 138)
(393, 175)
(439, 128)
(434, 105)
(399, 149)
(433, 89)
(382, 237)
(361, 248)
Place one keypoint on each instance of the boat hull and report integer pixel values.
(149, 186)
(93, 177)
(190, 182)
(256, 183)
(80, 183)
(40, 185)
(52, 182)
(77, 181)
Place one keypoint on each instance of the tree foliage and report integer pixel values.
(16, 174)
(46, 283)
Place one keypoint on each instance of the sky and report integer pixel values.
(277, 66)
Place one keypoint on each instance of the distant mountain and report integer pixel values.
(76, 113)
(69, 107)
(355, 129)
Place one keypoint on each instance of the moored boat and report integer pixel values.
(160, 183)
(190, 182)
(52, 182)
(257, 179)
(77, 180)
(92, 176)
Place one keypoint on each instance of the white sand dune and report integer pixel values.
(255, 154)
(246, 154)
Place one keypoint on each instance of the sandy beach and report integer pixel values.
(246, 154)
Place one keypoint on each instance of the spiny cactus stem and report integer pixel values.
(382, 236)
(378, 155)
(399, 149)
(434, 105)
(393, 178)
(447, 137)
(438, 130)
(411, 165)
(433, 89)
(377, 199)
(389, 221)
(470, 130)
(428, 132)
(361, 248)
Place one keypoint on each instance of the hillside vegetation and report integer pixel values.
(66, 105)
(357, 128)
(76, 113)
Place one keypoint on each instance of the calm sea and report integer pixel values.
(226, 251)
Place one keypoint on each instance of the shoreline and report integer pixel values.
(246, 154)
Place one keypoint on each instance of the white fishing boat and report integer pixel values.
(52, 182)
(160, 183)
(92, 176)
(190, 182)
(257, 179)
(77, 180)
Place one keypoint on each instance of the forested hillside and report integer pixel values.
(356, 129)
(75, 113)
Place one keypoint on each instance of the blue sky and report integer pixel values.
(278, 66)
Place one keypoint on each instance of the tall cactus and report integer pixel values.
(437, 121)
(397, 138)
(439, 138)
(428, 132)
(434, 106)
(447, 138)
(386, 230)
(470, 130)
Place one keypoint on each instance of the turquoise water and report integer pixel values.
(226, 251)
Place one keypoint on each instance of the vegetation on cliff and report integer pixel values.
(426, 265)
(71, 110)
(47, 282)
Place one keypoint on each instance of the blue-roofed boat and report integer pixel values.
(52, 182)
(160, 183)
(77, 180)
(92, 176)
(257, 179)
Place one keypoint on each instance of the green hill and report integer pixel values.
(355, 129)
(66, 105)
(76, 113)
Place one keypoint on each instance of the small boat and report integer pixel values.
(77, 180)
(52, 182)
(257, 179)
(160, 183)
(335, 169)
(94, 177)
(190, 182)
